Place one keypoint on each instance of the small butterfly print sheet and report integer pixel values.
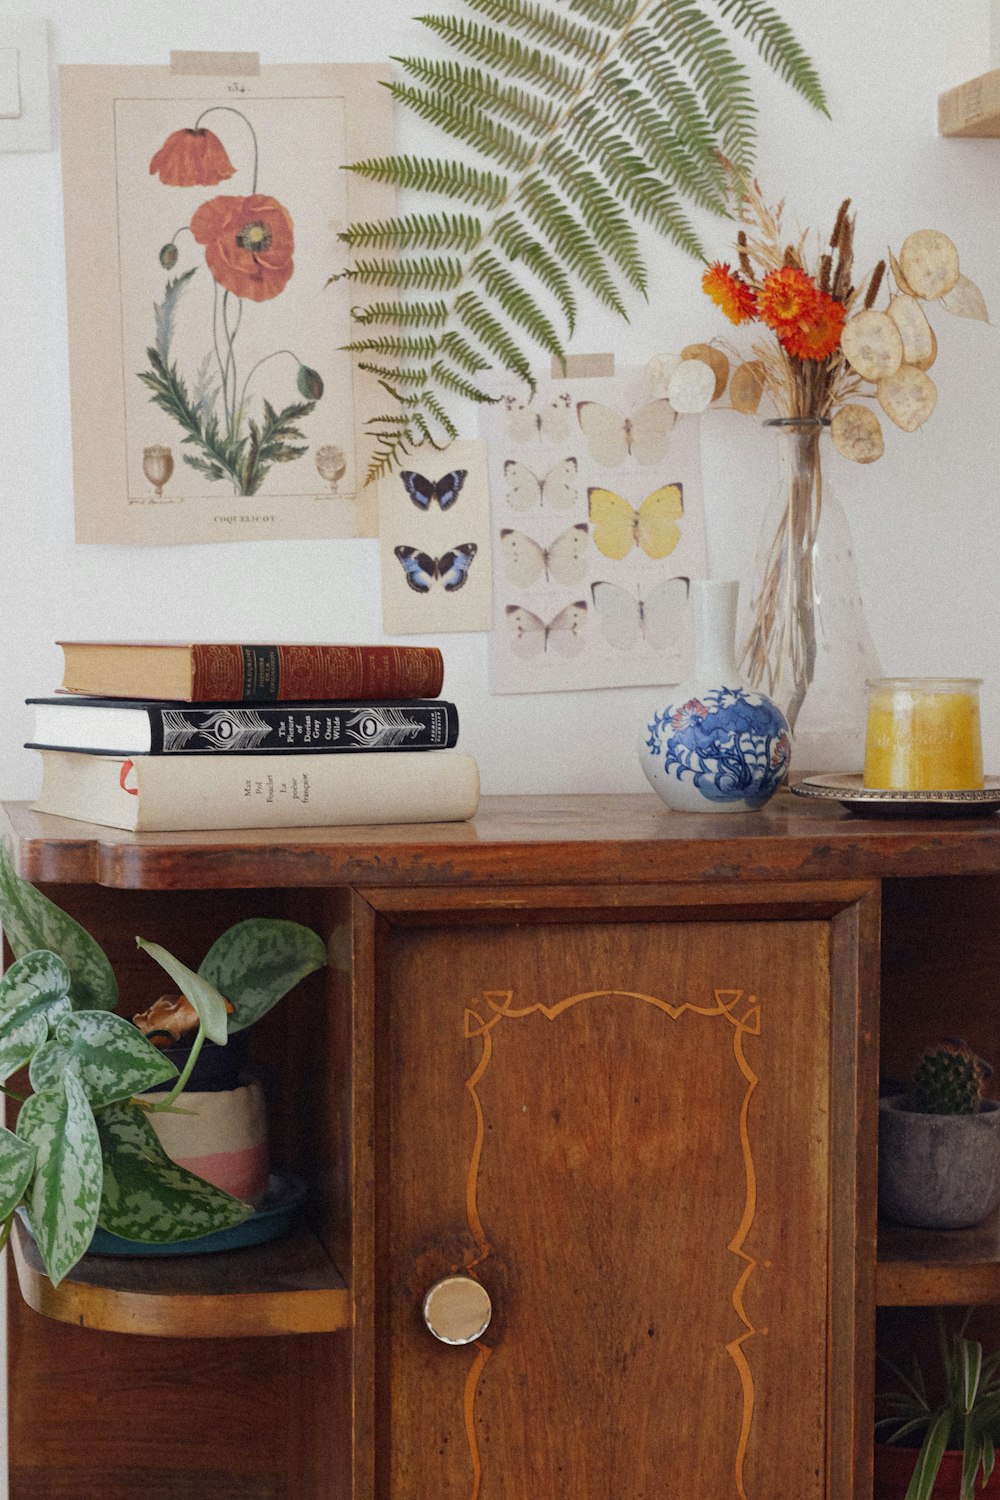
(598, 529)
(434, 526)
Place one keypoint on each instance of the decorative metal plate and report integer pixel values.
(851, 792)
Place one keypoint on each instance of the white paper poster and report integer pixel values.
(598, 528)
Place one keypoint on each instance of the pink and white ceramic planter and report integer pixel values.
(221, 1136)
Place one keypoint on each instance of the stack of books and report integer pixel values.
(171, 737)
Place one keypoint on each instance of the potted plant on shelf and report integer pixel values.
(939, 1143)
(86, 1151)
(957, 1427)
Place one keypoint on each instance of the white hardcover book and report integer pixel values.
(148, 793)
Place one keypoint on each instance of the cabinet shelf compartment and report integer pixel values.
(287, 1286)
(927, 1267)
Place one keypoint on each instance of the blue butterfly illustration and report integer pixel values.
(445, 490)
(451, 569)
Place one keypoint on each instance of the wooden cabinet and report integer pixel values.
(616, 1067)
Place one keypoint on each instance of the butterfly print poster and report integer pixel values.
(598, 528)
(434, 526)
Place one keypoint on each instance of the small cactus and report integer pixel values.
(950, 1079)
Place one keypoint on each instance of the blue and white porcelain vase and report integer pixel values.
(716, 744)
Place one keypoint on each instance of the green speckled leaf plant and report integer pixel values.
(84, 1152)
(579, 120)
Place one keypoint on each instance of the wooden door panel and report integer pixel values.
(623, 1131)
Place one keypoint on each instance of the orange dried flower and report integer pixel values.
(192, 158)
(789, 298)
(737, 300)
(817, 337)
(248, 242)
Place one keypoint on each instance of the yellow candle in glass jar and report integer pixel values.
(924, 734)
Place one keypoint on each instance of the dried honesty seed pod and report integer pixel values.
(658, 372)
(930, 263)
(908, 397)
(900, 279)
(919, 343)
(856, 432)
(691, 386)
(747, 386)
(965, 300)
(872, 344)
(715, 359)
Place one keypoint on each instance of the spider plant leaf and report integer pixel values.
(972, 1458)
(928, 1463)
(970, 1364)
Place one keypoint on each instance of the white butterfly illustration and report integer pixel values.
(530, 635)
(548, 420)
(657, 617)
(562, 561)
(611, 437)
(558, 488)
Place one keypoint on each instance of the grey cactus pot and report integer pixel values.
(938, 1171)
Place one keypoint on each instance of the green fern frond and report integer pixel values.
(440, 273)
(505, 101)
(425, 175)
(504, 288)
(460, 386)
(457, 349)
(611, 13)
(544, 25)
(397, 376)
(397, 348)
(406, 314)
(570, 240)
(600, 114)
(508, 56)
(601, 211)
(723, 83)
(777, 45)
(416, 232)
(480, 322)
(466, 123)
(663, 146)
(518, 243)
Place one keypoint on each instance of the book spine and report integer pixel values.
(268, 674)
(266, 730)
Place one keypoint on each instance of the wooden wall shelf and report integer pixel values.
(287, 1286)
(930, 1267)
(971, 109)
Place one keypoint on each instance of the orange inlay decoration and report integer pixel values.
(743, 1012)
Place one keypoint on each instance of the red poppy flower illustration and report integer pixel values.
(192, 158)
(248, 242)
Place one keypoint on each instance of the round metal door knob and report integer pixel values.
(457, 1309)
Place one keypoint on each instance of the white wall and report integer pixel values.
(925, 519)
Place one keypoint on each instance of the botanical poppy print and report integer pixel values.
(192, 158)
(248, 244)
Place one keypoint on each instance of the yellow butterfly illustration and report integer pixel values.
(618, 526)
(611, 437)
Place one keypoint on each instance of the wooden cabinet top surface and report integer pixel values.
(520, 841)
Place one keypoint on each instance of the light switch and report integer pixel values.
(10, 86)
(25, 106)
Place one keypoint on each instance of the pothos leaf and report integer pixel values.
(110, 1056)
(149, 1198)
(17, 1160)
(210, 1005)
(258, 961)
(34, 995)
(65, 1190)
(30, 920)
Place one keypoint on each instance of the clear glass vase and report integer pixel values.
(806, 642)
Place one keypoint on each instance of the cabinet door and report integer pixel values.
(623, 1131)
